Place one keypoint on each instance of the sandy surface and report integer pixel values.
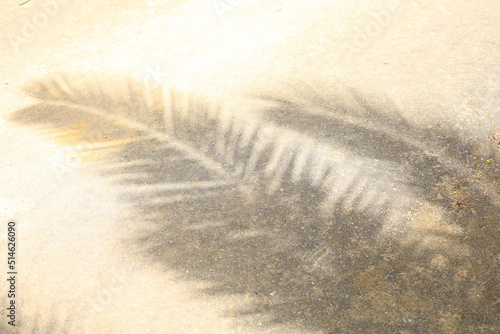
(437, 63)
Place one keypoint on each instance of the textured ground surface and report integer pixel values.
(404, 93)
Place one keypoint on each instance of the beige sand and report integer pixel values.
(437, 61)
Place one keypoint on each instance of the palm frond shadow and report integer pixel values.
(300, 208)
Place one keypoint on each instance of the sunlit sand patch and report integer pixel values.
(14, 207)
(430, 229)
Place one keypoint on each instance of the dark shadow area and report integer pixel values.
(397, 236)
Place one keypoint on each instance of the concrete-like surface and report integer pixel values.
(93, 258)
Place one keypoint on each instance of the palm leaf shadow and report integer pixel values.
(285, 208)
